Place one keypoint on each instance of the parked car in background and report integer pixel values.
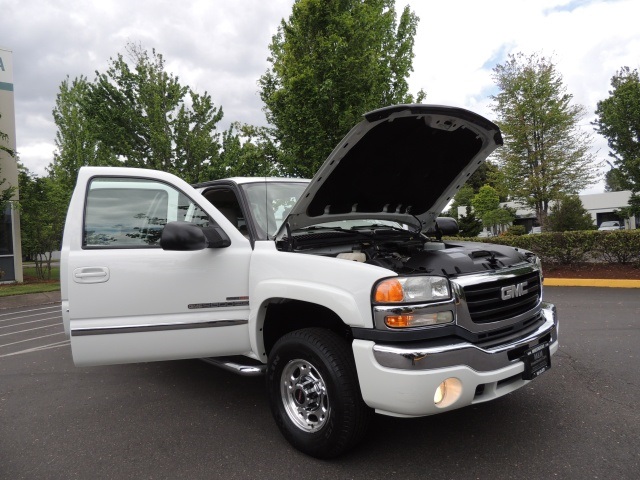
(612, 225)
(485, 234)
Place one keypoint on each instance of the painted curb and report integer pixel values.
(590, 282)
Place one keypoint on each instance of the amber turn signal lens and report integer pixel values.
(389, 291)
(396, 321)
(419, 319)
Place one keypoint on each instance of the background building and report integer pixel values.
(10, 249)
(602, 207)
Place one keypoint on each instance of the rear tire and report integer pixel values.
(314, 393)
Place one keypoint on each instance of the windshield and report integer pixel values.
(270, 203)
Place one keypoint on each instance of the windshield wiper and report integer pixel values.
(379, 226)
(317, 227)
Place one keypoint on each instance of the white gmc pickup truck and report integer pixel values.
(339, 290)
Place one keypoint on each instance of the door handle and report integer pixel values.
(91, 275)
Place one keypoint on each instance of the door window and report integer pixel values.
(131, 212)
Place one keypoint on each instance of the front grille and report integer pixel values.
(485, 300)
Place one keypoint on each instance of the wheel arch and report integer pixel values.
(282, 316)
(281, 306)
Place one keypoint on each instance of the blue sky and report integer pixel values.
(221, 46)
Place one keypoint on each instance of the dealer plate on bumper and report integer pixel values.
(537, 360)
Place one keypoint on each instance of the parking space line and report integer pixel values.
(34, 321)
(57, 307)
(63, 343)
(30, 330)
(30, 316)
(31, 339)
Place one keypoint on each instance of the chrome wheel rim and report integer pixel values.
(304, 395)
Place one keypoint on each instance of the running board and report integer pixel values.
(228, 363)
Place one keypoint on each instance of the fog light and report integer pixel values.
(447, 393)
(441, 391)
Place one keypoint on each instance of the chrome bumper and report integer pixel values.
(465, 353)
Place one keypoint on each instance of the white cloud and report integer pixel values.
(39, 154)
(458, 44)
(221, 46)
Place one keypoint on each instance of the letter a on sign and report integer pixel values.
(1, 64)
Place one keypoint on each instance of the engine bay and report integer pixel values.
(403, 251)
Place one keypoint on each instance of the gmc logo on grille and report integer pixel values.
(513, 291)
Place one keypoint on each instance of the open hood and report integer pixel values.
(402, 163)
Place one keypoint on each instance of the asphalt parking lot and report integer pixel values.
(30, 329)
(187, 419)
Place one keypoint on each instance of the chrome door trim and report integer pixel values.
(84, 331)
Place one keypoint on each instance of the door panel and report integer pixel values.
(131, 301)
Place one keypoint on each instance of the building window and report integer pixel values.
(6, 232)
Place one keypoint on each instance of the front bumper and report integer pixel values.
(402, 380)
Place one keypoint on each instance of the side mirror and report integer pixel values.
(185, 236)
(443, 226)
(447, 225)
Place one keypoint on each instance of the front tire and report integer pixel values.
(314, 393)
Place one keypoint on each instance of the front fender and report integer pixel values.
(340, 302)
(342, 286)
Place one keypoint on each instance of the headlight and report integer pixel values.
(412, 289)
(539, 264)
(534, 259)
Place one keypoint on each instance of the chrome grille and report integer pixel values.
(485, 303)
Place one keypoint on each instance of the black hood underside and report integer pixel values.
(382, 175)
(402, 164)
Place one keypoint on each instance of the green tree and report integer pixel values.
(42, 212)
(462, 199)
(247, 151)
(488, 173)
(76, 142)
(486, 200)
(568, 214)
(486, 204)
(632, 209)
(545, 153)
(468, 224)
(331, 62)
(618, 120)
(614, 181)
(499, 217)
(146, 118)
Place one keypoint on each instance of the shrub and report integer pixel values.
(563, 248)
(568, 214)
(618, 246)
(515, 230)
